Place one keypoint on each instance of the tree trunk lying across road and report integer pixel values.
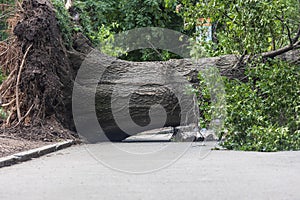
(127, 93)
(142, 85)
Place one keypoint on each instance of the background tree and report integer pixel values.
(100, 19)
(262, 108)
(247, 26)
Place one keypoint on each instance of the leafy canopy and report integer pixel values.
(99, 20)
(245, 26)
(263, 112)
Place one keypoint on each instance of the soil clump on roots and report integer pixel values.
(36, 93)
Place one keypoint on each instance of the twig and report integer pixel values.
(237, 64)
(7, 82)
(18, 81)
(27, 113)
(9, 137)
(20, 6)
(277, 52)
(4, 52)
(287, 28)
(297, 35)
(155, 49)
(7, 104)
(9, 117)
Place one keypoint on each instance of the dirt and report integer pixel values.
(10, 145)
(17, 139)
(39, 85)
(36, 94)
(14, 140)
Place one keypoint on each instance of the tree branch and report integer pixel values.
(296, 38)
(287, 27)
(294, 44)
(272, 54)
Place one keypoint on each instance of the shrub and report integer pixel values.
(263, 113)
(100, 20)
(64, 21)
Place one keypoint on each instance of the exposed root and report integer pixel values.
(10, 58)
(18, 82)
(38, 77)
(27, 113)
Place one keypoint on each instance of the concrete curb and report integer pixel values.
(34, 153)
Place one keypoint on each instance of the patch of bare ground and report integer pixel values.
(11, 145)
(18, 139)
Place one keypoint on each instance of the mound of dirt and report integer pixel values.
(37, 92)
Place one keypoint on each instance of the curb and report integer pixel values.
(34, 153)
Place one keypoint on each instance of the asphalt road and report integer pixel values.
(75, 173)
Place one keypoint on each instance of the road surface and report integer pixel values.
(75, 174)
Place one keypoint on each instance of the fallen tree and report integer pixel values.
(37, 93)
(149, 76)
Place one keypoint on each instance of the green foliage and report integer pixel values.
(94, 14)
(105, 38)
(263, 113)
(211, 99)
(143, 13)
(64, 21)
(100, 20)
(204, 102)
(251, 26)
(128, 14)
(3, 16)
(1, 76)
(266, 139)
(97, 18)
(3, 34)
(2, 114)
